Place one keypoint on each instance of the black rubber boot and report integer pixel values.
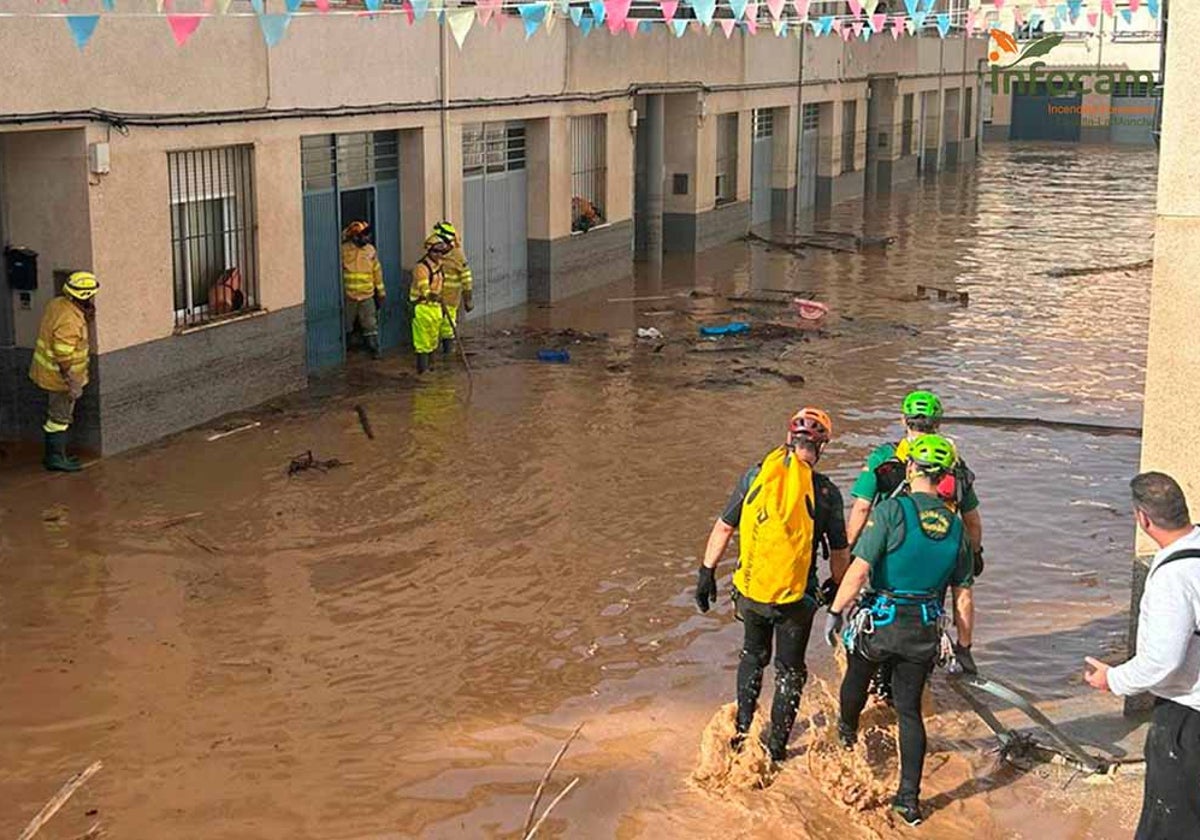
(422, 363)
(56, 458)
(373, 346)
(905, 805)
(847, 737)
(447, 346)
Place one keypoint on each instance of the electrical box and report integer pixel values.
(98, 163)
(21, 269)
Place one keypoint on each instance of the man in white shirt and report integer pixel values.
(1167, 663)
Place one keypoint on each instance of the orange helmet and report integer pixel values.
(355, 229)
(811, 423)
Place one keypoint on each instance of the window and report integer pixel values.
(213, 233)
(849, 134)
(494, 147)
(906, 126)
(764, 123)
(968, 112)
(727, 158)
(812, 117)
(588, 171)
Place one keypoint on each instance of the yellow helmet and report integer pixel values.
(82, 285)
(446, 232)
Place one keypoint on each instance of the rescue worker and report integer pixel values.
(883, 476)
(911, 549)
(784, 510)
(60, 364)
(457, 284)
(425, 294)
(362, 282)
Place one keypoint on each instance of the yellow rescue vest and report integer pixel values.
(362, 276)
(458, 276)
(427, 280)
(776, 531)
(62, 340)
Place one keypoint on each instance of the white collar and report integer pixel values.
(1189, 540)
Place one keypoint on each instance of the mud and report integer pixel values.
(397, 647)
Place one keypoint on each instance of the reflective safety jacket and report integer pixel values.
(427, 280)
(458, 276)
(62, 342)
(362, 276)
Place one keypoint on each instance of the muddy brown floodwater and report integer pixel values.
(396, 647)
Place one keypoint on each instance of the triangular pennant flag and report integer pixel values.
(111, 5)
(257, 5)
(855, 7)
(499, 19)
(752, 18)
(910, 6)
(1128, 15)
(645, 26)
(972, 16)
(460, 22)
(856, 27)
(847, 32)
(406, 10)
(910, 26)
(1075, 6)
(1018, 16)
(897, 27)
(1152, 8)
(486, 8)
(1108, 7)
(223, 5)
(551, 17)
(918, 20)
(802, 8)
(823, 25)
(1093, 19)
(943, 23)
(704, 9)
(669, 7)
(615, 13)
(779, 27)
(598, 11)
(999, 4)
(738, 7)
(576, 13)
(532, 15)
(1134, 5)
(727, 25)
(158, 5)
(631, 26)
(375, 5)
(928, 5)
(775, 8)
(183, 27)
(82, 28)
(420, 8)
(680, 26)
(586, 24)
(274, 27)
(878, 21)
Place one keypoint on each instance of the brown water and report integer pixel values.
(397, 647)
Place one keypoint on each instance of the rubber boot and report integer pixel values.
(56, 459)
(422, 363)
(447, 346)
(373, 346)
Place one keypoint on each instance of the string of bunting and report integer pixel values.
(782, 18)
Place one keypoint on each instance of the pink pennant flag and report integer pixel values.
(775, 7)
(631, 27)
(856, 7)
(500, 19)
(322, 5)
(1134, 5)
(999, 4)
(407, 9)
(615, 14)
(878, 21)
(1108, 7)
(751, 18)
(972, 19)
(1018, 16)
(856, 27)
(847, 34)
(485, 9)
(801, 8)
(897, 27)
(1093, 19)
(669, 7)
(727, 25)
(1042, 3)
(183, 27)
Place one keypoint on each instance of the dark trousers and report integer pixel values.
(788, 627)
(908, 682)
(1171, 804)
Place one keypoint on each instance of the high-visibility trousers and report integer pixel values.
(426, 326)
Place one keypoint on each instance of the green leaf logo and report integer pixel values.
(1040, 47)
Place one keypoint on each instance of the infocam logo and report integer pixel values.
(1017, 76)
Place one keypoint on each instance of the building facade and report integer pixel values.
(206, 186)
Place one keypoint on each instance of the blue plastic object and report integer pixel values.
(558, 356)
(732, 328)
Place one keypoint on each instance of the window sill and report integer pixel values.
(724, 202)
(592, 228)
(220, 322)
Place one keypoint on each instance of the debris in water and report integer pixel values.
(224, 433)
(364, 421)
(721, 768)
(307, 462)
(810, 310)
(531, 827)
(732, 328)
(554, 356)
(59, 799)
(1099, 269)
(943, 294)
(649, 332)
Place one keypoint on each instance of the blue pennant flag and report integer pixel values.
(928, 6)
(1152, 7)
(585, 25)
(110, 5)
(257, 5)
(373, 5)
(274, 27)
(1060, 12)
(919, 20)
(532, 15)
(1076, 8)
(598, 11)
(645, 26)
(420, 8)
(783, 28)
(293, 5)
(576, 13)
(82, 28)
(1128, 15)
(738, 7)
(824, 25)
(680, 26)
(943, 23)
(705, 9)
(910, 6)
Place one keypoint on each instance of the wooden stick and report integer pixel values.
(229, 432)
(537, 796)
(364, 422)
(533, 831)
(59, 799)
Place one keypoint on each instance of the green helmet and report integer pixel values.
(922, 404)
(933, 453)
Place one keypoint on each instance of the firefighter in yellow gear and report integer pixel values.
(458, 283)
(60, 364)
(425, 295)
(362, 283)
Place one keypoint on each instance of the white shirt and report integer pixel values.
(1167, 663)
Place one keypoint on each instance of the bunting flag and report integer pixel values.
(801, 9)
(532, 15)
(727, 25)
(999, 4)
(257, 5)
(1093, 19)
(972, 17)
(1018, 16)
(373, 5)
(822, 25)
(855, 7)
(1128, 16)
(183, 27)
(82, 27)
(486, 8)
(420, 8)
(460, 22)
(910, 6)
(928, 5)
(500, 20)
(1075, 7)
(943, 23)
(779, 27)
(752, 18)
(857, 28)
(598, 10)
(274, 27)
(223, 6)
(550, 18)
(738, 7)
(669, 7)
(576, 14)
(406, 10)
(293, 6)
(680, 26)
(704, 9)
(910, 26)
(878, 22)
(111, 5)
(1152, 8)
(586, 24)
(775, 8)
(615, 13)
(1134, 5)
(1108, 7)
(631, 26)
(918, 21)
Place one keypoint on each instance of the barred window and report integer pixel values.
(812, 116)
(213, 233)
(588, 171)
(906, 127)
(727, 158)
(492, 147)
(764, 123)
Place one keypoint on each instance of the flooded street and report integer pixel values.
(398, 646)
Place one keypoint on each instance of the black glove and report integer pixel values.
(706, 587)
(828, 591)
(833, 627)
(965, 661)
(979, 561)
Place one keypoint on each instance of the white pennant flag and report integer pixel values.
(460, 22)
